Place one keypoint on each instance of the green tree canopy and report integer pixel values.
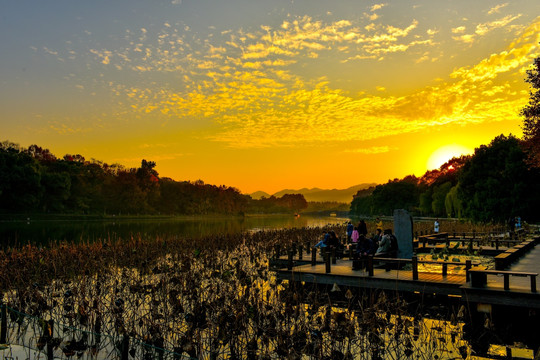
(496, 182)
(396, 194)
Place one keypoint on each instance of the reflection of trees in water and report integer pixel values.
(45, 232)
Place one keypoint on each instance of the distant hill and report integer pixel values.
(257, 195)
(319, 195)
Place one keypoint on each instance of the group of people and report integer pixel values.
(382, 243)
(379, 243)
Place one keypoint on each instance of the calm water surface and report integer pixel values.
(43, 232)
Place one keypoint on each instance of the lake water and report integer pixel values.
(42, 232)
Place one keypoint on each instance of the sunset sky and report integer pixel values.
(265, 94)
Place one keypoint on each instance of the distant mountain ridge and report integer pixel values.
(319, 195)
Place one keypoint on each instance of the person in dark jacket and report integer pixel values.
(364, 247)
(362, 228)
(333, 239)
(375, 239)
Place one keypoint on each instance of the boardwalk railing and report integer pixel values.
(470, 239)
(329, 257)
(478, 277)
(397, 262)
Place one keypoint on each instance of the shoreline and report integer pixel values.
(33, 217)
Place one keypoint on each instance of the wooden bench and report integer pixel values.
(479, 277)
(504, 259)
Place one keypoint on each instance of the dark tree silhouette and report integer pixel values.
(531, 115)
(496, 183)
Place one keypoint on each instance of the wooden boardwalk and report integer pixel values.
(342, 274)
(520, 287)
(530, 262)
(519, 291)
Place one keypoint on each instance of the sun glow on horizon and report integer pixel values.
(266, 95)
(445, 153)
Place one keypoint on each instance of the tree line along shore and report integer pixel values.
(497, 182)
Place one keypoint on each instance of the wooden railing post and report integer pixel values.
(333, 254)
(327, 262)
(3, 331)
(444, 269)
(300, 252)
(533, 283)
(125, 348)
(468, 265)
(290, 259)
(370, 265)
(313, 256)
(506, 281)
(415, 267)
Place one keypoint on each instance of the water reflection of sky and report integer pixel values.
(294, 222)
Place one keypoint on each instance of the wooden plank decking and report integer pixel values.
(398, 280)
(493, 292)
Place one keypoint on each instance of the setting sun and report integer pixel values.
(445, 153)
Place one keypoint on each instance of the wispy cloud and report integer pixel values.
(497, 9)
(483, 28)
(370, 150)
(377, 7)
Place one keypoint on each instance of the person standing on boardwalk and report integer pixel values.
(362, 228)
(350, 228)
(355, 235)
(379, 224)
(436, 226)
